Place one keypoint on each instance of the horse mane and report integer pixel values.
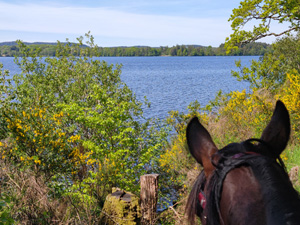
(193, 207)
(283, 202)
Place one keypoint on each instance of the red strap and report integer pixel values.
(202, 200)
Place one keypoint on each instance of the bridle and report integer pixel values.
(225, 164)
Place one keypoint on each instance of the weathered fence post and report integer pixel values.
(121, 208)
(149, 195)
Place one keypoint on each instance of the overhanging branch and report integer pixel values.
(269, 34)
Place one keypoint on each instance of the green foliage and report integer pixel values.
(39, 142)
(266, 12)
(270, 71)
(292, 163)
(5, 211)
(71, 121)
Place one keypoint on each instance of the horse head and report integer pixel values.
(243, 183)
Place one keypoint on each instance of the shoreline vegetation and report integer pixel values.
(70, 129)
(71, 132)
(10, 49)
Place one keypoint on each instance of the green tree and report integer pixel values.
(266, 12)
(270, 71)
(209, 51)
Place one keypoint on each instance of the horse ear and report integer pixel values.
(200, 145)
(277, 132)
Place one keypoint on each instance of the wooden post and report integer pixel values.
(149, 195)
(121, 208)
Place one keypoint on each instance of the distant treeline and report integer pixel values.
(9, 49)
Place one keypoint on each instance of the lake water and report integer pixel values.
(171, 83)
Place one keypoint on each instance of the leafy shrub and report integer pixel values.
(73, 123)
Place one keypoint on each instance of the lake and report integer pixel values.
(171, 83)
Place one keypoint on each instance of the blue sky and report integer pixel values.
(118, 22)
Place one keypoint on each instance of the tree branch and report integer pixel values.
(269, 34)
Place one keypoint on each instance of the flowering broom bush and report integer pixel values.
(38, 141)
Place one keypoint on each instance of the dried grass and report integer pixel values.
(31, 203)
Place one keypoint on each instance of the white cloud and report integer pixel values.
(108, 23)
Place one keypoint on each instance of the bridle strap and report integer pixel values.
(238, 155)
(225, 165)
(202, 199)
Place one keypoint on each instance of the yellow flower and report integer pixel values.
(37, 161)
